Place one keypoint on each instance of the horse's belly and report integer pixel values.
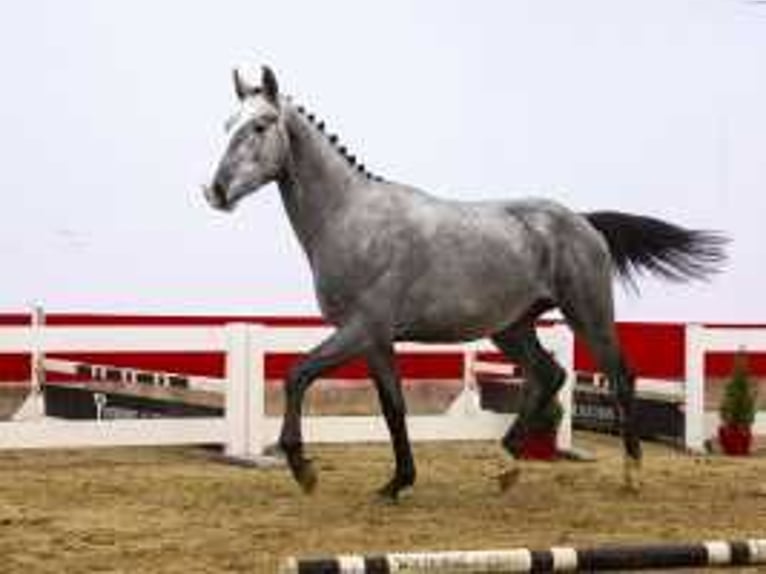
(466, 310)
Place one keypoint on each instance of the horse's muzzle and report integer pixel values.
(216, 196)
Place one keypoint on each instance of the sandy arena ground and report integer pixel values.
(179, 510)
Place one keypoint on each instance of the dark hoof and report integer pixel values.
(512, 446)
(391, 490)
(307, 477)
(388, 493)
(303, 473)
(631, 476)
(508, 479)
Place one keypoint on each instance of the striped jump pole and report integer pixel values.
(557, 559)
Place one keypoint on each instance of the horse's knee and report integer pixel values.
(296, 377)
(558, 377)
(297, 381)
(550, 375)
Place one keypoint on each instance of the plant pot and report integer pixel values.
(735, 440)
(538, 446)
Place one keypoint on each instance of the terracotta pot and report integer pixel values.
(538, 446)
(735, 440)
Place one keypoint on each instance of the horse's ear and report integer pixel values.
(269, 83)
(240, 87)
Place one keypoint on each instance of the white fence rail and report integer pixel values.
(245, 429)
(464, 420)
(52, 433)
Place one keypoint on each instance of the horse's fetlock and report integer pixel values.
(290, 446)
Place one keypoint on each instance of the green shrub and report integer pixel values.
(739, 399)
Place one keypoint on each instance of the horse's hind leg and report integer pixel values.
(593, 320)
(519, 343)
(388, 384)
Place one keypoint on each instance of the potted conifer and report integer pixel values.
(539, 443)
(737, 410)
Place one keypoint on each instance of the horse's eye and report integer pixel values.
(259, 128)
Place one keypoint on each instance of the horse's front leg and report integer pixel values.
(347, 342)
(388, 384)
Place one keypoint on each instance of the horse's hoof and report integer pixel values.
(631, 476)
(390, 491)
(303, 471)
(630, 490)
(512, 447)
(306, 477)
(632, 487)
(508, 479)
(388, 494)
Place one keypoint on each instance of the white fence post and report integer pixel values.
(33, 407)
(256, 397)
(564, 354)
(469, 362)
(238, 389)
(37, 370)
(695, 388)
(467, 402)
(246, 394)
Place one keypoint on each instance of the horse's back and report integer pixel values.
(448, 269)
(472, 267)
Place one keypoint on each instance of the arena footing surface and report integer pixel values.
(557, 559)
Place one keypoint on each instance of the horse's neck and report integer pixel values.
(318, 180)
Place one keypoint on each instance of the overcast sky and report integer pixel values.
(111, 117)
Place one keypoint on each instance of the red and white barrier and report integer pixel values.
(245, 429)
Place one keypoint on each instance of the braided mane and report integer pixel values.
(333, 140)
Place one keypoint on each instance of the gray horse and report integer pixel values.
(393, 263)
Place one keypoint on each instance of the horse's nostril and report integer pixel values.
(216, 194)
(219, 193)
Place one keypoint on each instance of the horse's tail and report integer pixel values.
(639, 243)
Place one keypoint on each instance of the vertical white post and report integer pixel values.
(471, 400)
(694, 411)
(238, 389)
(468, 402)
(469, 361)
(37, 357)
(564, 354)
(245, 392)
(33, 407)
(256, 397)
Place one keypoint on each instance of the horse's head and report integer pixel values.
(257, 147)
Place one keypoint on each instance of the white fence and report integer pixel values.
(245, 429)
(49, 433)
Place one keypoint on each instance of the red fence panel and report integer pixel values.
(654, 350)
